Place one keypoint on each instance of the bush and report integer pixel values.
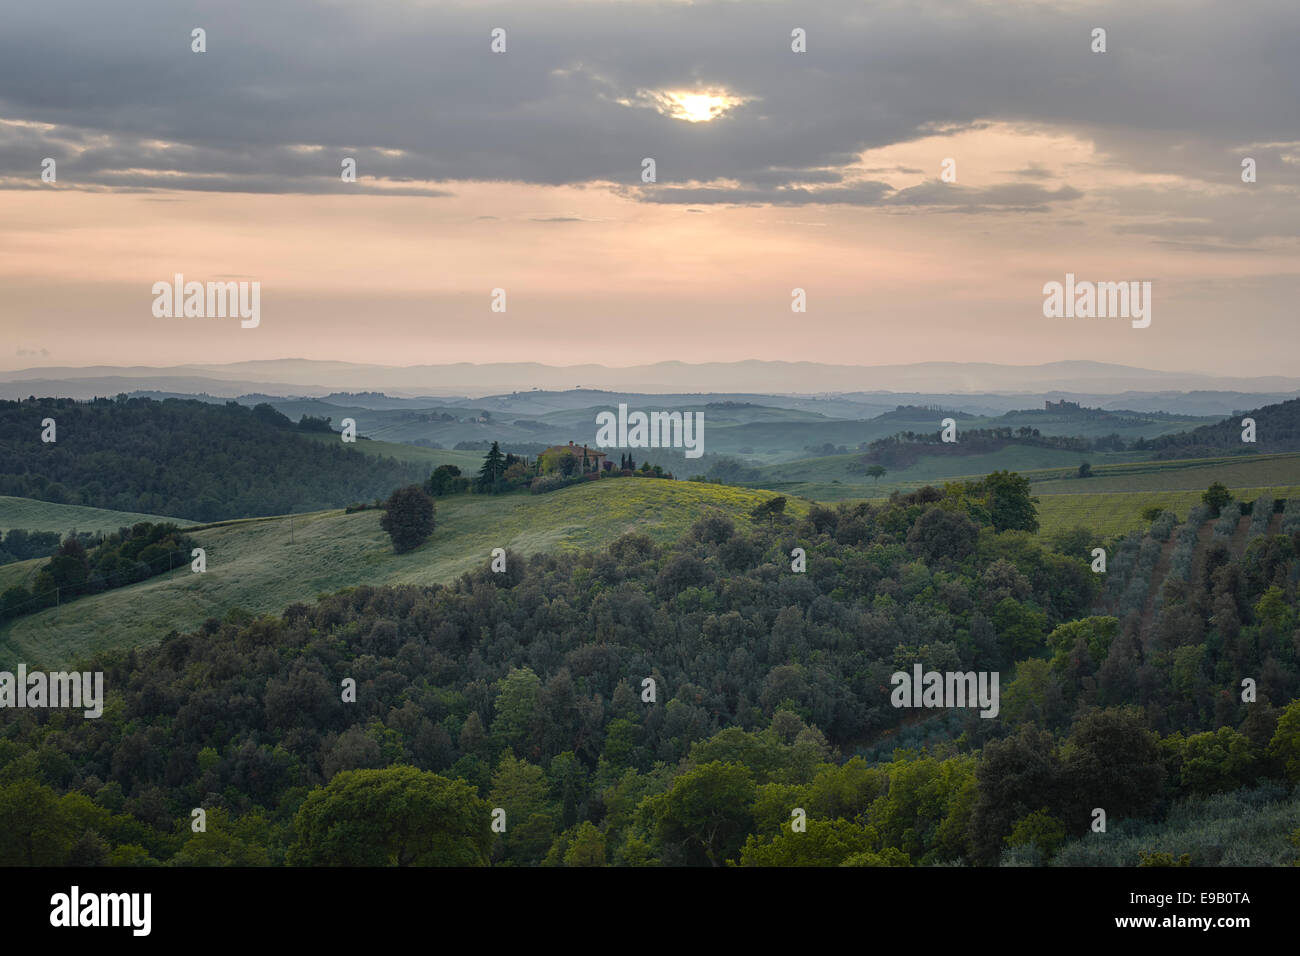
(1163, 525)
(544, 483)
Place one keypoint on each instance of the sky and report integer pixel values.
(775, 170)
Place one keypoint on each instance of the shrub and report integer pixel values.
(1227, 523)
(545, 483)
(1163, 525)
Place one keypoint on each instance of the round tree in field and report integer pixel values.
(408, 517)
(1216, 497)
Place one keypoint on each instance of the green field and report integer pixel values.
(1246, 471)
(842, 477)
(251, 563)
(33, 515)
(19, 573)
(838, 476)
(1117, 513)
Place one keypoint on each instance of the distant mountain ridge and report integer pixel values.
(309, 377)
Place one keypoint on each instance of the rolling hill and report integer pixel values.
(189, 458)
(252, 563)
(33, 515)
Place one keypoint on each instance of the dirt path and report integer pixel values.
(1239, 536)
(1202, 541)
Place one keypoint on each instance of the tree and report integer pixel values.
(1112, 761)
(442, 481)
(1215, 497)
(943, 537)
(13, 601)
(824, 843)
(587, 847)
(309, 423)
(769, 509)
(516, 708)
(877, 472)
(520, 788)
(1217, 761)
(706, 812)
(1285, 745)
(1021, 629)
(397, 816)
(1040, 830)
(1085, 471)
(494, 466)
(1009, 503)
(408, 518)
(1016, 776)
(34, 830)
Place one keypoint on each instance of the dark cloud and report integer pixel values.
(414, 94)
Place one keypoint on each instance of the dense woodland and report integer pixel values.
(184, 459)
(524, 691)
(1278, 428)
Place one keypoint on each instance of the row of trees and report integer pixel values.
(504, 472)
(126, 556)
(18, 544)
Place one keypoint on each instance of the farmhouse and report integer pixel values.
(584, 459)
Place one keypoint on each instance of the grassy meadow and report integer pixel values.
(32, 515)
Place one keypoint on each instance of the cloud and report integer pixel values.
(1004, 197)
(413, 93)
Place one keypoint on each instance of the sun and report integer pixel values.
(691, 105)
(700, 107)
(695, 106)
